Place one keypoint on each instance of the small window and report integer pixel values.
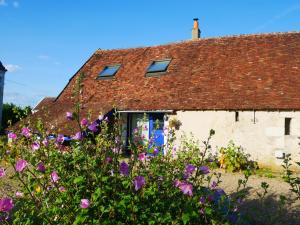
(109, 71)
(237, 116)
(287, 126)
(159, 66)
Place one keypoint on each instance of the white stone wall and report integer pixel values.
(262, 138)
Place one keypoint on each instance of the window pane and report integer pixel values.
(158, 66)
(109, 71)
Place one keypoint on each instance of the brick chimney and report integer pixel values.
(196, 31)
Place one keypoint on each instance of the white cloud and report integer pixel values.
(16, 4)
(12, 68)
(3, 3)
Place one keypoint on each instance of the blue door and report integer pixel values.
(156, 128)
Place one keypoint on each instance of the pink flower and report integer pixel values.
(41, 167)
(108, 160)
(142, 156)
(93, 127)
(60, 138)
(186, 188)
(54, 177)
(69, 116)
(45, 142)
(100, 117)
(138, 182)
(62, 189)
(12, 136)
(84, 122)
(26, 132)
(2, 172)
(177, 183)
(115, 150)
(21, 165)
(124, 168)
(19, 194)
(77, 136)
(84, 203)
(35, 146)
(6, 204)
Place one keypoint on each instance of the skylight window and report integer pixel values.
(109, 71)
(158, 66)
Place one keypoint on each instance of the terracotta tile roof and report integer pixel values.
(249, 72)
(44, 103)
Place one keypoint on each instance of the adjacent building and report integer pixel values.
(246, 88)
(2, 76)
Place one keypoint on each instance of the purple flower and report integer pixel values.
(41, 167)
(189, 169)
(108, 160)
(21, 165)
(84, 203)
(35, 146)
(214, 184)
(93, 127)
(84, 122)
(54, 177)
(45, 142)
(19, 194)
(156, 151)
(69, 116)
(25, 132)
(202, 200)
(60, 138)
(138, 182)
(177, 183)
(77, 136)
(186, 188)
(135, 131)
(62, 189)
(6, 204)
(12, 136)
(124, 168)
(204, 169)
(142, 156)
(2, 172)
(100, 117)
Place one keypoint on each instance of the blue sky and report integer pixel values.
(43, 43)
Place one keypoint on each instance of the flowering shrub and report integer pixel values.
(233, 158)
(90, 181)
(289, 176)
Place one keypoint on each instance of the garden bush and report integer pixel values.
(91, 182)
(233, 158)
(290, 177)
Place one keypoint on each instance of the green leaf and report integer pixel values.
(78, 180)
(185, 218)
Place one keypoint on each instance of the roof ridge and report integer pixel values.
(202, 39)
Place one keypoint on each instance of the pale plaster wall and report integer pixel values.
(261, 139)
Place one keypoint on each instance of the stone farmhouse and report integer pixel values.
(246, 88)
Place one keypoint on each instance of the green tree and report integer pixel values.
(12, 114)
